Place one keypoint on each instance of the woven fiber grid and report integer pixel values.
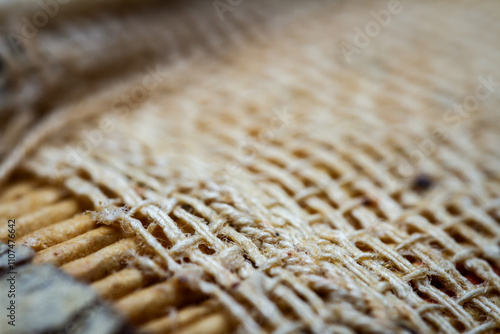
(290, 187)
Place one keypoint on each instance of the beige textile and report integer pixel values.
(288, 168)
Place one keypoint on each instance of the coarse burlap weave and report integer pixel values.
(287, 167)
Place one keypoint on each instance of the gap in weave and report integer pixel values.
(352, 220)
(108, 192)
(350, 189)
(410, 258)
(457, 323)
(476, 311)
(494, 214)
(277, 182)
(362, 246)
(398, 197)
(494, 266)
(323, 196)
(83, 174)
(388, 240)
(457, 235)
(159, 235)
(371, 150)
(437, 245)
(300, 153)
(206, 249)
(422, 295)
(185, 228)
(413, 229)
(331, 171)
(308, 209)
(479, 228)
(225, 239)
(430, 216)
(469, 275)
(439, 284)
(275, 161)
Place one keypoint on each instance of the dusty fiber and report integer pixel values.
(286, 167)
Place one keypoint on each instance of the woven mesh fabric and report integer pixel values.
(286, 175)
